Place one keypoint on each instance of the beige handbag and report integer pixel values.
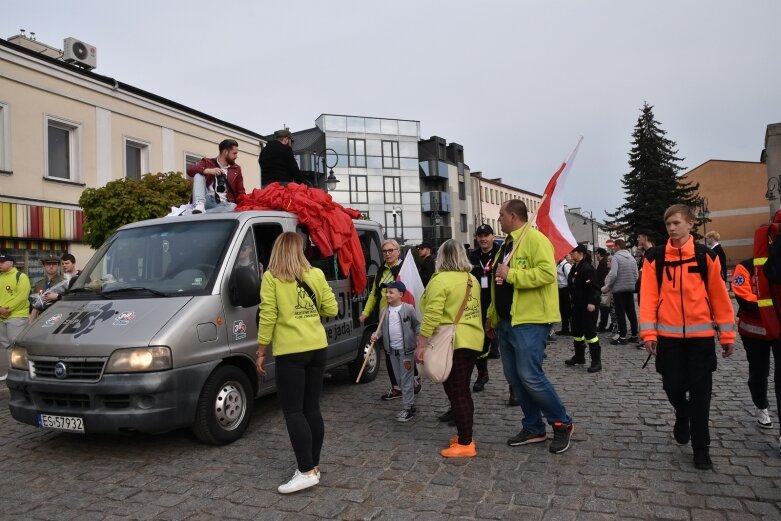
(438, 358)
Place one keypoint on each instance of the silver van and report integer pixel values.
(159, 331)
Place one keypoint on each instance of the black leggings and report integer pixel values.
(758, 356)
(299, 385)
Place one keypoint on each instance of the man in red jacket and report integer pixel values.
(217, 181)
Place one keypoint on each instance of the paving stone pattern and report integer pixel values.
(623, 463)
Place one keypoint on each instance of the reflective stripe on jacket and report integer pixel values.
(685, 306)
(744, 287)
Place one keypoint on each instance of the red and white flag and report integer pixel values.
(551, 220)
(411, 278)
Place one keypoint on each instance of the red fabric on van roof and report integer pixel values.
(330, 224)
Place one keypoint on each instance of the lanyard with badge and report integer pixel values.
(487, 267)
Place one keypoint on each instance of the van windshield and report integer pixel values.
(162, 260)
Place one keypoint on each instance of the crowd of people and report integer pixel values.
(21, 302)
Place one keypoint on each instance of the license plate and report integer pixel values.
(61, 423)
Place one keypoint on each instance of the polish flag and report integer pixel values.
(411, 278)
(551, 220)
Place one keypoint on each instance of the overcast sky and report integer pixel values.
(515, 82)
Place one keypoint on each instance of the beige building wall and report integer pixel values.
(735, 194)
(101, 115)
(488, 196)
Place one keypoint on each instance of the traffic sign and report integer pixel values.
(610, 243)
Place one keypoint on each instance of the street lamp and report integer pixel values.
(703, 213)
(331, 180)
(593, 235)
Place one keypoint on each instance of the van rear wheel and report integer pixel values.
(372, 365)
(224, 407)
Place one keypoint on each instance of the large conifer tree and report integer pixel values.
(652, 184)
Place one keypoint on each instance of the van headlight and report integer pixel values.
(139, 360)
(19, 358)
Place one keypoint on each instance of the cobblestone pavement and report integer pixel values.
(623, 463)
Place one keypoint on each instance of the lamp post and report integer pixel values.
(396, 210)
(703, 213)
(593, 235)
(331, 180)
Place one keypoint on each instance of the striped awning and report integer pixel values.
(27, 221)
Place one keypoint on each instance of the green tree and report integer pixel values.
(652, 184)
(127, 200)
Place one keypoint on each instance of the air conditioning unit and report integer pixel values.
(79, 53)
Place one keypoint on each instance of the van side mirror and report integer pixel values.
(244, 287)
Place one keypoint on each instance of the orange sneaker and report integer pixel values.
(456, 450)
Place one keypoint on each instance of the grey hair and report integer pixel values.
(392, 242)
(451, 256)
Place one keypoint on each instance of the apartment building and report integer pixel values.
(64, 128)
(489, 194)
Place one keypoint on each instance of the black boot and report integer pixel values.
(596, 358)
(580, 355)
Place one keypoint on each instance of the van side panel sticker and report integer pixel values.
(82, 322)
(51, 321)
(239, 329)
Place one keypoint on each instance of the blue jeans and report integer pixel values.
(523, 348)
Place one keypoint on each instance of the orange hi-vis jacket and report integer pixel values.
(685, 306)
(744, 286)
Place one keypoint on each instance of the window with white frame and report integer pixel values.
(5, 140)
(190, 160)
(63, 149)
(136, 158)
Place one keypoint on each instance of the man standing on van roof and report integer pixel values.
(277, 163)
(14, 306)
(217, 180)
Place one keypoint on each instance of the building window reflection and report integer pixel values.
(356, 152)
(358, 189)
(390, 154)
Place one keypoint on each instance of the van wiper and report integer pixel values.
(135, 288)
(85, 289)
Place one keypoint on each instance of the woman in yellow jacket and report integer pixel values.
(294, 296)
(440, 304)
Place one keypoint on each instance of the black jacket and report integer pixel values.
(427, 269)
(584, 287)
(277, 164)
(602, 270)
(722, 259)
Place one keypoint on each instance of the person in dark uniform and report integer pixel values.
(585, 294)
(277, 164)
(602, 270)
(427, 264)
(482, 260)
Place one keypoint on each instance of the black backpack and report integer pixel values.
(772, 267)
(701, 253)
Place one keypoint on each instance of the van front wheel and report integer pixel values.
(372, 365)
(224, 407)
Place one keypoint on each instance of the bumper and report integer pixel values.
(118, 403)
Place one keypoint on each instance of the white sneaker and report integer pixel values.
(199, 208)
(2, 378)
(763, 419)
(615, 337)
(298, 482)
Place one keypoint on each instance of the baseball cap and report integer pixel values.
(399, 285)
(4, 257)
(484, 229)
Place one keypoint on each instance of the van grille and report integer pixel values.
(76, 369)
(65, 400)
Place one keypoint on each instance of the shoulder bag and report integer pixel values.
(438, 358)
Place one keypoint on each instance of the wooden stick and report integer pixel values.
(371, 346)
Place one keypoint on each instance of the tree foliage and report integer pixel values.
(127, 200)
(652, 184)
